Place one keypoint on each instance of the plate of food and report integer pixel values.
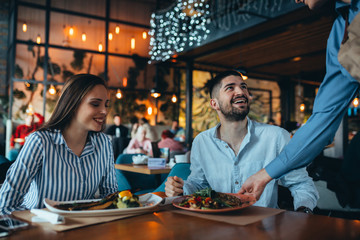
(118, 203)
(210, 201)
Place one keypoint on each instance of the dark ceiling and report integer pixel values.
(292, 46)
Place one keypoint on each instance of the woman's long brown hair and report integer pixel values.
(74, 90)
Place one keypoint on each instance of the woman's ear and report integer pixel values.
(214, 103)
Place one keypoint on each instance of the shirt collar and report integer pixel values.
(58, 138)
(250, 128)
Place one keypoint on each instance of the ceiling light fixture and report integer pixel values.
(155, 93)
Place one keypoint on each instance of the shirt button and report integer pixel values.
(236, 182)
(227, 146)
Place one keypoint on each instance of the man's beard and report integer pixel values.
(234, 114)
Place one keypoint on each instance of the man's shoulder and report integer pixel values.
(206, 134)
(263, 128)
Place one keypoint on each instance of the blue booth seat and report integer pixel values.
(180, 170)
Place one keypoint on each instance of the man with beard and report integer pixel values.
(223, 157)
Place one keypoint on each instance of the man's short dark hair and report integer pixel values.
(213, 83)
(117, 115)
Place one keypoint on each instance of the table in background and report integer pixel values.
(144, 169)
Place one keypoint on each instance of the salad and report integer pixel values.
(210, 199)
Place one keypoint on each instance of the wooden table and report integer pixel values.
(142, 169)
(171, 225)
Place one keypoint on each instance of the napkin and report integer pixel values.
(140, 159)
(43, 215)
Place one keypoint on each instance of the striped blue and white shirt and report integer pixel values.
(47, 168)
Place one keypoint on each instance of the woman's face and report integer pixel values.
(92, 111)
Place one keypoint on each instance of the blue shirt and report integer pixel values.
(214, 164)
(47, 168)
(334, 96)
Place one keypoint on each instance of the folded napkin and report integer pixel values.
(140, 159)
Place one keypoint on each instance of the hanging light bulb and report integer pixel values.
(149, 110)
(100, 47)
(52, 90)
(125, 81)
(118, 94)
(38, 39)
(111, 36)
(244, 77)
(132, 43)
(117, 29)
(144, 35)
(356, 102)
(24, 27)
(71, 31)
(174, 98)
(302, 107)
(83, 37)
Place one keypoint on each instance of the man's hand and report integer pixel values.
(256, 184)
(174, 186)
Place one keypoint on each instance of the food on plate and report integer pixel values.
(210, 199)
(123, 199)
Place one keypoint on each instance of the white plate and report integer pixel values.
(149, 201)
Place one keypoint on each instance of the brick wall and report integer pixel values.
(4, 32)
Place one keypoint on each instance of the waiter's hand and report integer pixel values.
(256, 184)
(174, 186)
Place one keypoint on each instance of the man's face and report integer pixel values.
(233, 98)
(312, 4)
(117, 120)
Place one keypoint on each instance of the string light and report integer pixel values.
(356, 102)
(118, 94)
(244, 77)
(38, 39)
(52, 90)
(132, 44)
(111, 36)
(174, 98)
(100, 47)
(24, 27)
(117, 29)
(184, 25)
(124, 80)
(71, 31)
(302, 107)
(83, 37)
(149, 110)
(144, 35)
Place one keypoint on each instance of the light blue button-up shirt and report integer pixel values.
(334, 96)
(47, 168)
(214, 164)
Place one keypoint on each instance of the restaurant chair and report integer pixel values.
(180, 169)
(139, 183)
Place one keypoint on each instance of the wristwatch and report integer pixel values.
(305, 210)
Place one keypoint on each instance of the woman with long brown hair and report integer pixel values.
(68, 158)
